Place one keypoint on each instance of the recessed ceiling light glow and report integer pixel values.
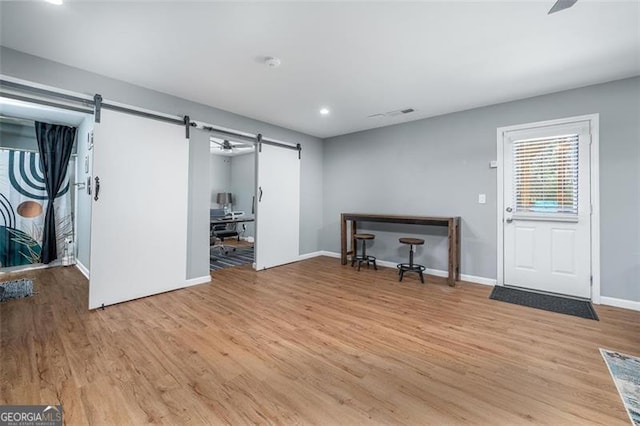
(56, 2)
(272, 62)
(324, 111)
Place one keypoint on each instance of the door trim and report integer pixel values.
(594, 166)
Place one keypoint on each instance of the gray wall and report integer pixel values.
(35, 69)
(220, 177)
(438, 166)
(243, 186)
(198, 222)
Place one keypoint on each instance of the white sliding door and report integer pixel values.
(139, 220)
(278, 207)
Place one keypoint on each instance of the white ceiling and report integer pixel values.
(356, 58)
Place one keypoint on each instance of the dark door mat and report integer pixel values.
(562, 305)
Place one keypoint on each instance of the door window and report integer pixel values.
(545, 176)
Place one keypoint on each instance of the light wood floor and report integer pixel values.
(312, 342)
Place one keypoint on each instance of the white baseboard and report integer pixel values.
(83, 269)
(198, 280)
(387, 264)
(478, 280)
(309, 255)
(329, 254)
(620, 303)
(318, 253)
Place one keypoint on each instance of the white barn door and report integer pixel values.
(139, 220)
(278, 207)
(547, 209)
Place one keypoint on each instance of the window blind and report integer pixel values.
(545, 175)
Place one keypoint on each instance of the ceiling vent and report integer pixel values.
(392, 113)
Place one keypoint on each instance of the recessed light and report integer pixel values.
(324, 111)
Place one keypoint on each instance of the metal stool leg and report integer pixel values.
(364, 253)
(411, 255)
(362, 257)
(410, 267)
(355, 253)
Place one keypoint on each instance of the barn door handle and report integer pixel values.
(260, 196)
(96, 188)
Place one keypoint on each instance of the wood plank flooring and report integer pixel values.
(313, 342)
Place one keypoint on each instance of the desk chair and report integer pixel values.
(221, 231)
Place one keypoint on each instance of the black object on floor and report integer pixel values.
(562, 305)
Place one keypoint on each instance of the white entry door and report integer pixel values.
(278, 207)
(547, 209)
(139, 219)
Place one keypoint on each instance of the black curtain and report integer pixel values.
(55, 144)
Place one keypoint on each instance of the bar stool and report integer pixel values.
(411, 267)
(363, 257)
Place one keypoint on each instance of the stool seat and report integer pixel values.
(412, 241)
(364, 236)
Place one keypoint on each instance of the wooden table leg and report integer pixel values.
(458, 248)
(343, 240)
(454, 251)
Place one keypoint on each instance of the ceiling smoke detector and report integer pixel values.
(272, 62)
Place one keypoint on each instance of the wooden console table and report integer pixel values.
(452, 224)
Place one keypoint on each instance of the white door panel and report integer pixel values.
(547, 209)
(278, 207)
(139, 222)
(563, 255)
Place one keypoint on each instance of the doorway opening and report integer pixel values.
(23, 195)
(232, 203)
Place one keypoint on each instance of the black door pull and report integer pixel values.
(96, 188)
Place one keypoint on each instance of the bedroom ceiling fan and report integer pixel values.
(561, 5)
(225, 145)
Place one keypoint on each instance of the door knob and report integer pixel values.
(509, 219)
